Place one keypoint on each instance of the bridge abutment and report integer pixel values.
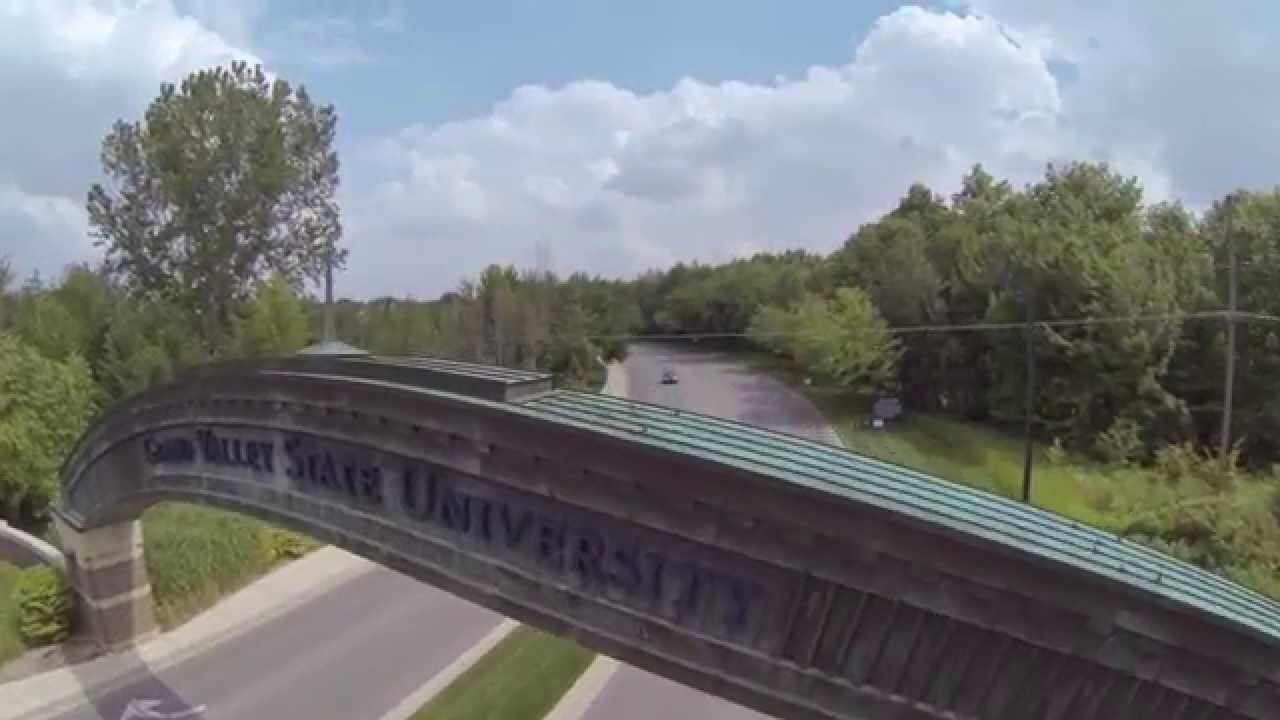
(107, 568)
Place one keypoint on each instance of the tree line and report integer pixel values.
(1140, 365)
(72, 348)
(526, 319)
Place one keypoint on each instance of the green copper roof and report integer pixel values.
(932, 500)
(915, 494)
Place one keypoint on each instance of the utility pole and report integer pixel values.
(1228, 386)
(1029, 411)
(329, 332)
(329, 344)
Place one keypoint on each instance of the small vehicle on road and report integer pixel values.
(669, 377)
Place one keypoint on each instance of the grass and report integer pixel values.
(1184, 504)
(196, 555)
(522, 678)
(11, 645)
(978, 456)
(967, 453)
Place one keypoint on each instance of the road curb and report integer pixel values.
(573, 705)
(443, 679)
(59, 691)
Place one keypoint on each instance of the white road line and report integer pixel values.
(441, 680)
(574, 704)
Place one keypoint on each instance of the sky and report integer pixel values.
(622, 136)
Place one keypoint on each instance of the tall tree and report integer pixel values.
(1079, 249)
(1252, 224)
(229, 177)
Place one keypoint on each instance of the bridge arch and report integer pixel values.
(799, 579)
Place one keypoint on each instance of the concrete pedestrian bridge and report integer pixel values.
(794, 577)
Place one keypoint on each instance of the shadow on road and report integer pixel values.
(137, 695)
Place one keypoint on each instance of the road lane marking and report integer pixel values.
(328, 649)
(441, 680)
(590, 684)
(145, 709)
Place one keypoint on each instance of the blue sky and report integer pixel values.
(624, 136)
(450, 59)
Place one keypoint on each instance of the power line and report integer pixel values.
(972, 327)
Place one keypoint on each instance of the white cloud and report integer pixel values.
(67, 71)
(46, 226)
(234, 20)
(616, 182)
(1181, 93)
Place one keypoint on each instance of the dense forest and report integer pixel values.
(926, 302)
(73, 347)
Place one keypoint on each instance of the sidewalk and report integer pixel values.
(66, 688)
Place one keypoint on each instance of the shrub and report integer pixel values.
(286, 545)
(1121, 443)
(1274, 502)
(44, 606)
(1185, 466)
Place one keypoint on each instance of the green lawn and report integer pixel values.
(981, 457)
(520, 679)
(11, 644)
(196, 555)
(968, 453)
(1227, 523)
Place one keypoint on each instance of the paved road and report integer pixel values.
(351, 654)
(713, 384)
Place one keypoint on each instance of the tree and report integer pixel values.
(229, 178)
(498, 291)
(274, 323)
(770, 328)
(6, 299)
(1252, 224)
(146, 343)
(890, 260)
(44, 406)
(1079, 248)
(48, 327)
(847, 340)
(68, 318)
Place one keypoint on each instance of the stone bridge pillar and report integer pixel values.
(106, 567)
